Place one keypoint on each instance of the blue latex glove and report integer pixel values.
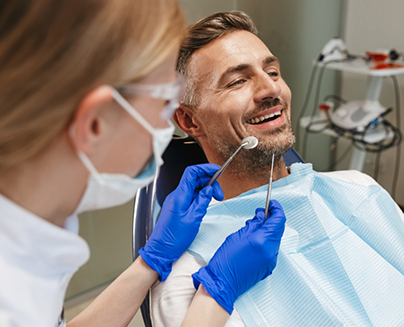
(245, 257)
(180, 218)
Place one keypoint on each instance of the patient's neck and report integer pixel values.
(235, 183)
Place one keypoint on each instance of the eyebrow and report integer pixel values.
(236, 69)
(270, 59)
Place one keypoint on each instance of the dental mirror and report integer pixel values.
(250, 142)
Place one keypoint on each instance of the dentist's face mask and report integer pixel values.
(109, 190)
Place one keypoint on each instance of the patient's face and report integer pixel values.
(242, 94)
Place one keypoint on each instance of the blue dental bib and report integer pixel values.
(341, 259)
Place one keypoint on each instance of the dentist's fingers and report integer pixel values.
(193, 179)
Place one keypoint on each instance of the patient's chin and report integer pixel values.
(277, 141)
(276, 144)
(256, 162)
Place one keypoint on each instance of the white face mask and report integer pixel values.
(109, 190)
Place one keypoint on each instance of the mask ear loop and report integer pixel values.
(84, 159)
(131, 111)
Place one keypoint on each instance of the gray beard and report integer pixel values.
(257, 162)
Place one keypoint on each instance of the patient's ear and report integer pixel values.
(187, 121)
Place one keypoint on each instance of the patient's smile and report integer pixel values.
(268, 119)
(264, 119)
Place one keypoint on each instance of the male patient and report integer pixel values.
(341, 260)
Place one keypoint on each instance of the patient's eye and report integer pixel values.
(236, 83)
(274, 74)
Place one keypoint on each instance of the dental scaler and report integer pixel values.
(250, 142)
(269, 189)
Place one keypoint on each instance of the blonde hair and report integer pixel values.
(53, 52)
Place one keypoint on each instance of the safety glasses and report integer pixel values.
(172, 92)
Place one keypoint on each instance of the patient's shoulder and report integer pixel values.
(352, 176)
(357, 177)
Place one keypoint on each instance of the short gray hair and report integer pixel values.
(200, 34)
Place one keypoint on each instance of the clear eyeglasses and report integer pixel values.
(172, 92)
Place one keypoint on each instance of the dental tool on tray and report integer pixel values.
(269, 188)
(250, 142)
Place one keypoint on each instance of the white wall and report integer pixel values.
(371, 25)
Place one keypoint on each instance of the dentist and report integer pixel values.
(86, 92)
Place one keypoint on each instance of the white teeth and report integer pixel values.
(262, 118)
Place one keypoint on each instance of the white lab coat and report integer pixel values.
(37, 261)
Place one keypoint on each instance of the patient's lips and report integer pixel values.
(269, 118)
(260, 119)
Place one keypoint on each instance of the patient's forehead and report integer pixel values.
(236, 48)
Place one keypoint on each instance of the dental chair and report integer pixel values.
(181, 152)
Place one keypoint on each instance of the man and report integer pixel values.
(341, 257)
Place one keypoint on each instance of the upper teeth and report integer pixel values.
(262, 118)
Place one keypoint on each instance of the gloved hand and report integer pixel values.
(245, 257)
(180, 218)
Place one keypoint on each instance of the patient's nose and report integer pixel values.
(267, 88)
